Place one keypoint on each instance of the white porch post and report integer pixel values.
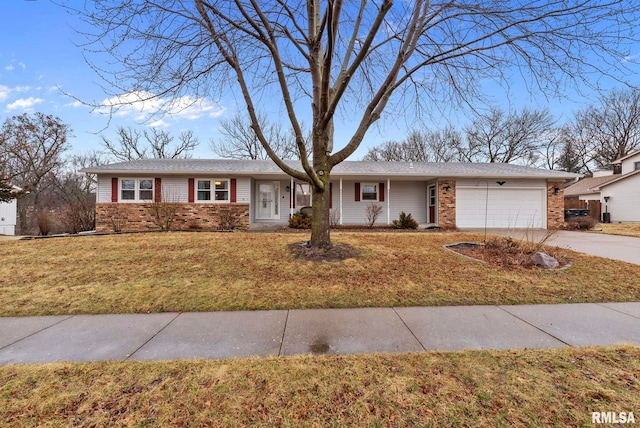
(388, 201)
(340, 200)
(291, 195)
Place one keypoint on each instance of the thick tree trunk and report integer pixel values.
(320, 225)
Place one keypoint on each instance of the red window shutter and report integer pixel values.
(192, 190)
(233, 191)
(381, 196)
(157, 197)
(330, 195)
(357, 192)
(114, 189)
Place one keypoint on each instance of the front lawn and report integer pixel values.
(628, 229)
(184, 272)
(556, 387)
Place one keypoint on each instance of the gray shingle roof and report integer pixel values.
(586, 185)
(347, 168)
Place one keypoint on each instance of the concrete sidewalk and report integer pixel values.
(215, 335)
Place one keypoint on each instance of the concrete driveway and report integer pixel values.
(624, 248)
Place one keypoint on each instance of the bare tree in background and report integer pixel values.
(614, 126)
(31, 154)
(151, 143)
(420, 146)
(240, 141)
(316, 58)
(507, 137)
(7, 191)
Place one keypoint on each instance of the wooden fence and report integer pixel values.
(594, 207)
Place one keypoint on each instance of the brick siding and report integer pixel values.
(116, 217)
(447, 204)
(555, 205)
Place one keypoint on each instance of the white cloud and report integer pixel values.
(9, 67)
(142, 106)
(4, 92)
(74, 104)
(630, 57)
(191, 108)
(24, 103)
(159, 124)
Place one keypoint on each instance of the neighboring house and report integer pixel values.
(8, 216)
(249, 192)
(586, 189)
(619, 194)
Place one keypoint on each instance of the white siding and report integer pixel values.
(175, 189)
(624, 202)
(8, 217)
(103, 190)
(407, 196)
(629, 165)
(243, 190)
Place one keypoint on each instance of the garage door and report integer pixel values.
(506, 207)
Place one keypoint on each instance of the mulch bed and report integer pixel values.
(334, 253)
(506, 253)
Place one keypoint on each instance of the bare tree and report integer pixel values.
(151, 143)
(377, 54)
(420, 146)
(507, 138)
(575, 146)
(241, 142)
(7, 191)
(31, 149)
(613, 126)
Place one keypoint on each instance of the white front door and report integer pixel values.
(268, 199)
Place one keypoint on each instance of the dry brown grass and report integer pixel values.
(620, 229)
(479, 389)
(162, 272)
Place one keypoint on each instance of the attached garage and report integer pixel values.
(502, 207)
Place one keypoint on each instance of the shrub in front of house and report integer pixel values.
(579, 223)
(405, 221)
(300, 220)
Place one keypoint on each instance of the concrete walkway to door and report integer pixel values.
(624, 248)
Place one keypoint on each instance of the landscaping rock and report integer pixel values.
(544, 260)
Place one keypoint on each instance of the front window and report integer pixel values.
(213, 190)
(303, 195)
(637, 166)
(204, 190)
(128, 190)
(136, 189)
(146, 190)
(222, 190)
(369, 192)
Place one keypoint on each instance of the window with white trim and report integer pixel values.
(303, 195)
(369, 192)
(213, 190)
(136, 189)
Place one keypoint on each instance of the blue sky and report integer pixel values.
(39, 63)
